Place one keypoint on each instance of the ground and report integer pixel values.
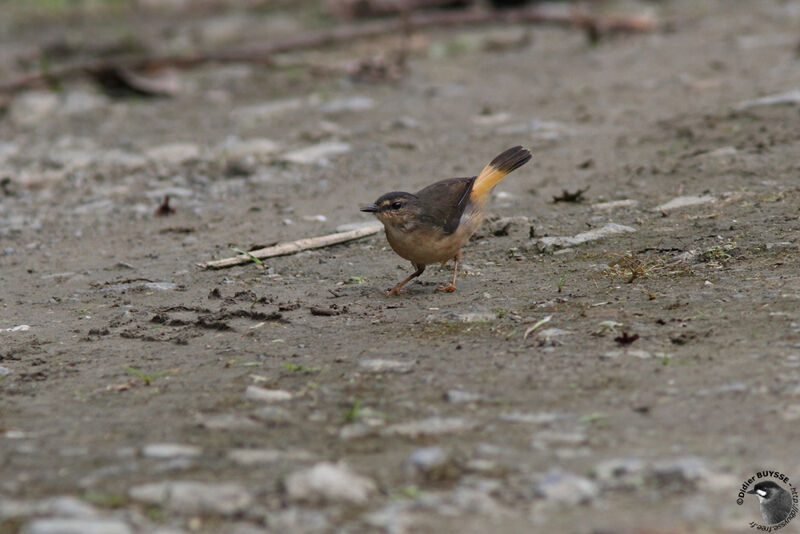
(668, 372)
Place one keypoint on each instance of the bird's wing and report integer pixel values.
(444, 202)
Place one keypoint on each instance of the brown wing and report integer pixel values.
(444, 202)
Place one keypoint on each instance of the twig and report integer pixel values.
(342, 34)
(294, 247)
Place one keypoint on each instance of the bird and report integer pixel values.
(431, 225)
(775, 502)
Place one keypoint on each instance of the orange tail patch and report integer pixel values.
(511, 159)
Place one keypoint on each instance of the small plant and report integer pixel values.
(146, 378)
(354, 412)
(355, 280)
(561, 283)
(299, 368)
(240, 251)
(719, 254)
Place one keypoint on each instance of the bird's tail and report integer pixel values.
(510, 160)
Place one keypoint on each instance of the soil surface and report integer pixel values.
(667, 373)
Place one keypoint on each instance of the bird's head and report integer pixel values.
(396, 209)
(766, 490)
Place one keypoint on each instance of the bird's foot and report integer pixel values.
(394, 291)
(446, 289)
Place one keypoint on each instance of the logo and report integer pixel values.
(776, 496)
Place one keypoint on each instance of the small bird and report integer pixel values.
(431, 225)
(775, 502)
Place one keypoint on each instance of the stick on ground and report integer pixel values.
(293, 247)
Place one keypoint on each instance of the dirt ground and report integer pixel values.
(668, 373)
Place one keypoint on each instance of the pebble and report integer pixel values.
(79, 102)
(62, 506)
(297, 520)
(615, 205)
(329, 482)
(76, 526)
(620, 473)
(791, 97)
(683, 202)
(175, 154)
(386, 366)
(316, 154)
(228, 422)
(349, 227)
(273, 415)
(351, 103)
(730, 387)
(249, 457)
(170, 450)
(5, 371)
(194, 497)
(425, 460)
(433, 426)
(722, 152)
(534, 418)
(394, 518)
(256, 393)
(32, 107)
(269, 109)
(458, 396)
(566, 488)
(538, 129)
(547, 244)
(462, 317)
(237, 148)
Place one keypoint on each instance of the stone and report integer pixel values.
(256, 393)
(684, 202)
(175, 153)
(269, 109)
(432, 426)
(566, 488)
(615, 205)
(349, 227)
(61, 506)
(620, 473)
(296, 520)
(458, 396)
(537, 129)
(249, 457)
(316, 154)
(429, 463)
(533, 418)
(32, 107)
(788, 98)
(76, 526)
(235, 148)
(351, 103)
(170, 450)
(273, 415)
(79, 102)
(329, 482)
(191, 497)
(462, 317)
(548, 244)
(228, 422)
(386, 366)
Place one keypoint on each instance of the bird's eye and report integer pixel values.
(396, 205)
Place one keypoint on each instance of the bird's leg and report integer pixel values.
(396, 289)
(452, 287)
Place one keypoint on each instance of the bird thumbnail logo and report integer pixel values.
(777, 499)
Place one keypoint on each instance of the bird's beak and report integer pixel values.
(751, 492)
(370, 208)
